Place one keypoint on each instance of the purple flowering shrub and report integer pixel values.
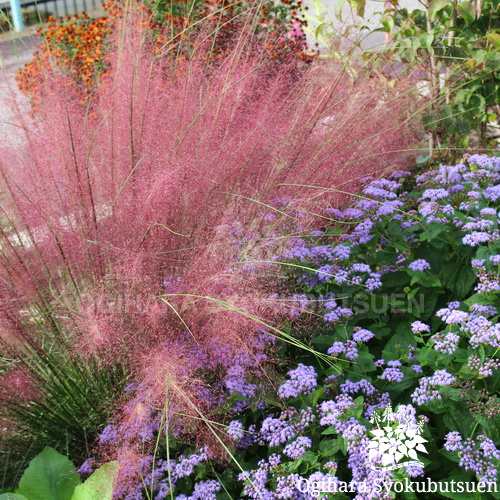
(406, 285)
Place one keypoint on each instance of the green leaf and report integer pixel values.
(358, 6)
(330, 430)
(479, 298)
(329, 447)
(12, 496)
(49, 476)
(433, 230)
(99, 486)
(467, 11)
(426, 40)
(423, 278)
(494, 38)
(338, 9)
(458, 278)
(387, 23)
(436, 6)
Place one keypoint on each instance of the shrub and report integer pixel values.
(456, 44)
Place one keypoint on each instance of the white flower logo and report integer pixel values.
(393, 442)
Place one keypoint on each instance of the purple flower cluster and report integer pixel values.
(435, 194)
(287, 426)
(276, 431)
(330, 411)
(481, 456)
(303, 380)
(204, 490)
(392, 375)
(427, 389)
(484, 368)
(348, 348)
(382, 188)
(482, 332)
(419, 265)
(362, 335)
(337, 314)
(446, 343)
(235, 430)
(489, 281)
(184, 466)
(87, 467)
(161, 477)
(419, 327)
(297, 448)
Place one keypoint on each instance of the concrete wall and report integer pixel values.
(373, 11)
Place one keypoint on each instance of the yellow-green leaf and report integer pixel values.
(467, 11)
(436, 6)
(99, 486)
(494, 38)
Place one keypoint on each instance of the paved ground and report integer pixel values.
(15, 51)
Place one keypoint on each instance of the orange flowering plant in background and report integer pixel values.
(77, 45)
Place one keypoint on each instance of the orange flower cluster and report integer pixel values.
(77, 45)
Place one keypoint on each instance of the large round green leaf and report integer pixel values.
(49, 476)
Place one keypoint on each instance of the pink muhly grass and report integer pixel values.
(107, 202)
